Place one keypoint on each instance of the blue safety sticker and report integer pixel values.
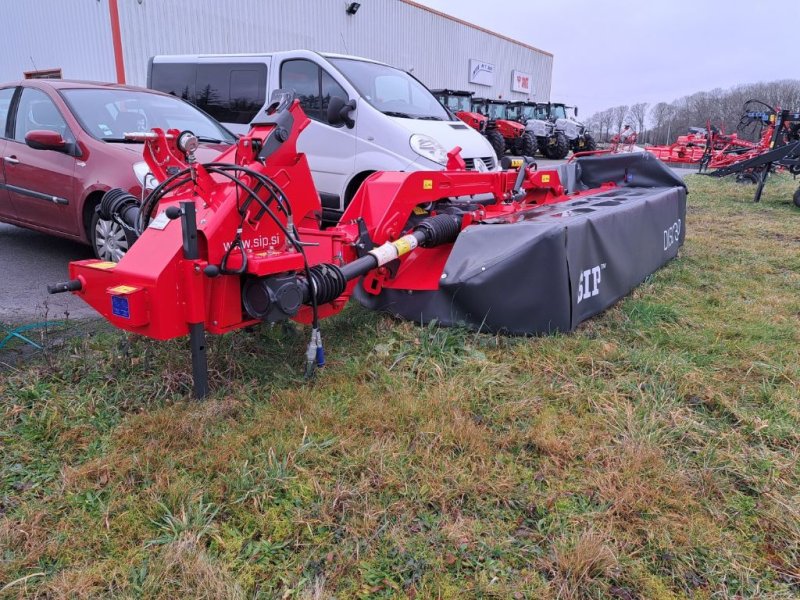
(120, 307)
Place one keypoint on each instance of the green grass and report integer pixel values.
(652, 454)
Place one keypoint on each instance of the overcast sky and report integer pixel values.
(611, 52)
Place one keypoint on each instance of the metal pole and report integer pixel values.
(197, 332)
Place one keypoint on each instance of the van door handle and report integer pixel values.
(13, 160)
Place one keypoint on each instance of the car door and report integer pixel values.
(40, 183)
(6, 96)
(330, 149)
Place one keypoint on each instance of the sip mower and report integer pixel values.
(237, 242)
(514, 137)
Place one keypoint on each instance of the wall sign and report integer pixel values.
(480, 72)
(520, 82)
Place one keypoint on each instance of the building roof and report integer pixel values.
(478, 27)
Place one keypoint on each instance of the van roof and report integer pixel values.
(193, 57)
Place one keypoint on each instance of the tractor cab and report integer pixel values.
(557, 110)
(460, 103)
(566, 122)
(511, 130)
(522, 111)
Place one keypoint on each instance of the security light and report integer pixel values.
(352, 8)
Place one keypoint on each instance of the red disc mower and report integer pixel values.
(236, 242)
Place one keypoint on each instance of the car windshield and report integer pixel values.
(497, 111)
(391, 91)
(108, 114)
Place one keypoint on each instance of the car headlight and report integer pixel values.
(144, 176)
(429, 148)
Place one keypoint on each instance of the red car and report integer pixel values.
(62, 146)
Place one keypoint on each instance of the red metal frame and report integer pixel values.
(164, 292)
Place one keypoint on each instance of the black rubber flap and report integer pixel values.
(548, 268)
(631, 169)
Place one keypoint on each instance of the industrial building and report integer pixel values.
(112, 40)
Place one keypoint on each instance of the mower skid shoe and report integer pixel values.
(547, 269)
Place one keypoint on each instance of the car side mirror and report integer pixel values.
(43, 139)
(339, 112)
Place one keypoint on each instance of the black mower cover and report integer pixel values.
(549, 268)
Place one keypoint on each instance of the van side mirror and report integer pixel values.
(339, 112)
(43, 139)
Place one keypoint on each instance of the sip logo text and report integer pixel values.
(672, 234)
(589, 282)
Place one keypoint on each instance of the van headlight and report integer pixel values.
(145, 176)
(429, 148)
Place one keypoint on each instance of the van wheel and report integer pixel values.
(109, 240)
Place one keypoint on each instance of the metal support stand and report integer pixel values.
(762, 179)
(197, 341)
(197, 332)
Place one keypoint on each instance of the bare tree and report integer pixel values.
(638, 113)
(719, 108)
(660, 115)
(618, 116)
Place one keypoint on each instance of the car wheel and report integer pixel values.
(109, 240)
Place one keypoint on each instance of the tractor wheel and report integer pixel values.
(796, 198)
(589, 144)
(527, 144)
(560, 150)
(498, 143)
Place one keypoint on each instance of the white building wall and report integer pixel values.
(435, 48)
(74, 35)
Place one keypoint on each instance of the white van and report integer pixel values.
(386, 121)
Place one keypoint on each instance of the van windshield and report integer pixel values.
(391, 91)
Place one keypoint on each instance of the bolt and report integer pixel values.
(444, 275)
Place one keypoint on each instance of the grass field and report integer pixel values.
(653, 454)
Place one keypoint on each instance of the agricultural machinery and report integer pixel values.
(514, 137)
(549, 142)
(236, 242)
(460, 104)
(699, 143)
(566, 122)
(778, 148)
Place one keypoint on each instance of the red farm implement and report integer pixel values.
(238, 241)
